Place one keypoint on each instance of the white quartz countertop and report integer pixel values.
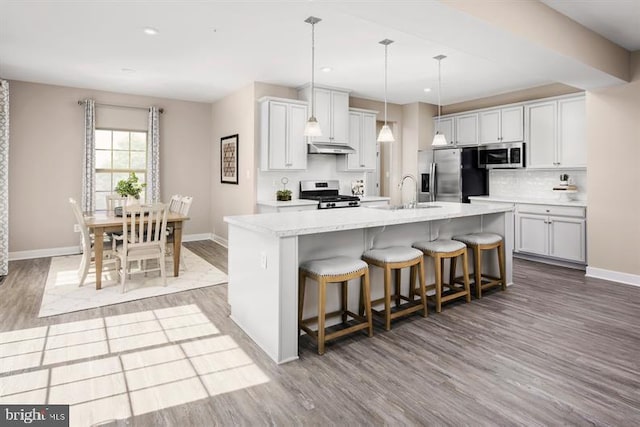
(306, 202)
(374, 199)
(328, 220)
(534, 201)
(293, 202)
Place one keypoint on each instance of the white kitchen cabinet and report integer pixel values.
(332, 112)
(501, 125)
(282, 142)
(556, 133)
(466, 129)
(362, 138)
(552, 231)
(446, 127)
(541, 138)
(572, 128)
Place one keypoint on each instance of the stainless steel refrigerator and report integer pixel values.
(451, 175)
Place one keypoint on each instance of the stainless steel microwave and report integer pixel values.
(501, 156)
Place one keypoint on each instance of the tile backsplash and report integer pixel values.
(534, 183)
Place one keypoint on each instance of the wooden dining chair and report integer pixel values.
(88, 256)
(115, 201)
(182, 207)
(143, 228)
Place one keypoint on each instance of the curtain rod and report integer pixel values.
(99, 104)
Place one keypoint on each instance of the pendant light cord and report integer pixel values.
(439, 91)
(385, 83)
(313, 58)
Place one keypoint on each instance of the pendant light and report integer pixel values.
(312, 128)
(439, 139)
(385, 134)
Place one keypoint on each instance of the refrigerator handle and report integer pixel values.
(432, 182)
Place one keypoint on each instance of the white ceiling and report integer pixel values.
(207, 49)
(616, 20)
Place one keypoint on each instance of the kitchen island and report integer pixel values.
(266, 249)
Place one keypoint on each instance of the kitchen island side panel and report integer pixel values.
(262, 280)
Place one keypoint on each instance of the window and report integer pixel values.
(118, 153)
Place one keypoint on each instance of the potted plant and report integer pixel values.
(283, 195)
(130, 187)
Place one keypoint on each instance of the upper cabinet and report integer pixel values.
(556, 135)
(501, 125)
(332, 112)
(282, 141)
(466, 129)
(446, 126)
(362, 138)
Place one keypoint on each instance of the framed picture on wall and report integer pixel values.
(229, 159)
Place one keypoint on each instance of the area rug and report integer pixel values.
(63, 295)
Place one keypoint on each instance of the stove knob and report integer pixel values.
(331, 205)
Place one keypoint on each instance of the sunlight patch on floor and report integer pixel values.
(190, 361)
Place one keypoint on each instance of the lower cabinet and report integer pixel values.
(552, 231)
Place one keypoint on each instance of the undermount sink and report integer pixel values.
(404, 207)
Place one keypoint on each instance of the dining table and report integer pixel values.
(101, 222)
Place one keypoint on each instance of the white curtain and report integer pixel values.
(153, 156)
(4, 177)
(89, 160)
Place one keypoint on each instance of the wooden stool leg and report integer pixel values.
(423, 288)
(438, 273)
(398, 282)
(452, 271)
(344, 300)
(302, 277)
(477, 270)
(366, 290)
(322, 293)
(465, 272)
(412, 282)
(387, 298)
(503, 275)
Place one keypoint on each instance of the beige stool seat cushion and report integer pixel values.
(479, 238)
(335, 266)
(392, 254)
(440, 245)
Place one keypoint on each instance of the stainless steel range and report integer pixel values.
(326, 193)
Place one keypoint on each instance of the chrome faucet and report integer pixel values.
(414, 203)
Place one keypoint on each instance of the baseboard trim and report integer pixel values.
(196, 237)
(73, 250)
(544, 260)
(43, 253)
(613, 276)
(220, 240)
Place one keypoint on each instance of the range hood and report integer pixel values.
(317, 148)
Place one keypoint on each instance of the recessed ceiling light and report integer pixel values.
(151, 31)
(326, 69)
(427, 89)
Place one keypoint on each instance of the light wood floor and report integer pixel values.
(555, 349)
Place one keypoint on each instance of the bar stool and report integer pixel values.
(396, 258)
(440, 250)
(479, 242)
(334, 270)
